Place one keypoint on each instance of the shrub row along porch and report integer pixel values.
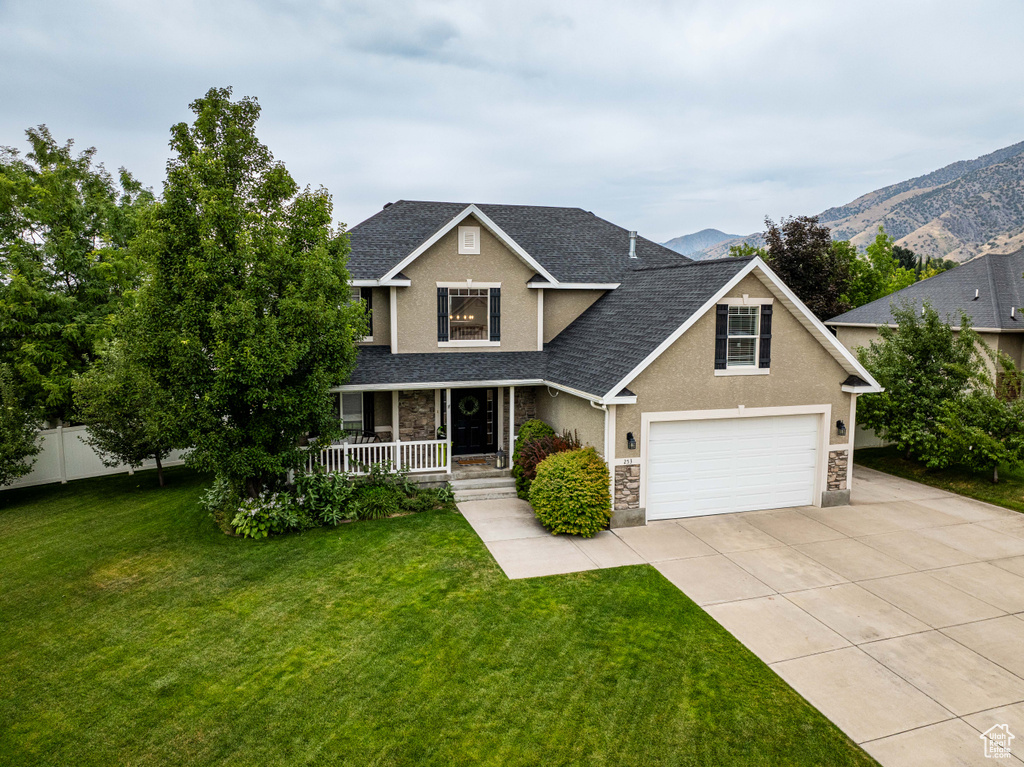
(425, 430)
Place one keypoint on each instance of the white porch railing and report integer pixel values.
(413, 457)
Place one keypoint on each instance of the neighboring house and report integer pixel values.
(989, 289)
(706, 386)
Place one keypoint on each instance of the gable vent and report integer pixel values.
(469, 239)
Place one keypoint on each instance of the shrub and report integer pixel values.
(221, 501)
(267, 514)
(536, 450)
(377, 501)
(570, 493)
(325, 496)
(531, 430)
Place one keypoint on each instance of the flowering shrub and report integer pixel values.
(268, 514)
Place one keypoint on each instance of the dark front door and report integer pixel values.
(473, 418)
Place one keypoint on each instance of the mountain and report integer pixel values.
(689, 244)
(960, 211)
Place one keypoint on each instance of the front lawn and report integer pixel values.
(1008, 492)
(134, 632)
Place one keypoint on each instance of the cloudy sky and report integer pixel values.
(667, 117)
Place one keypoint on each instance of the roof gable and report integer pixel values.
(569, 245)
(618, 337)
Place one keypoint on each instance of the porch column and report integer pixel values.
(448, 426)
(395, 437)
(511, 423)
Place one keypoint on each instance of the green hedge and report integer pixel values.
(531, 430)
(571, 493)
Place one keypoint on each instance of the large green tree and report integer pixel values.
(923, 364)
(878, 272)
(800, 251)
(64, 264)
(17, 432)
(247, 317)
(980, 432)
(130, 419)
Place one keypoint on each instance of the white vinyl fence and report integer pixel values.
(65, 456)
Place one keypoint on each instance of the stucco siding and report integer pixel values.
(381, 317)
(417, 304)
(566, 412)
(683, 377)
(852, 338)
(561, 307)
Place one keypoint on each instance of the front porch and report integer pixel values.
(428, 431)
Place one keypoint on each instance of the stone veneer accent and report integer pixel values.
(838, 460)
(627, 487)
(416, 415)
(526, 408)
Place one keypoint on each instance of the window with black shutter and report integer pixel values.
(721, 336)
(496, 315)
(442, 315)
(765, 352)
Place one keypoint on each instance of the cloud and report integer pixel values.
(663, 116)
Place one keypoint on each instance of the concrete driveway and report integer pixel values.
(901, 617)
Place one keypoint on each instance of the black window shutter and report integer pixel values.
(496, 314)
(765, 357)
(721, 336)
(442, 314)
(367, 295)
(368, 411)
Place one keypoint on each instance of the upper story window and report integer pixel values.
(743, 336)
(365, 295)
(742, 349)
(469, 240)
(468, 314)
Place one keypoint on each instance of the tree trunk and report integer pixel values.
(159, 470)
(995, 475)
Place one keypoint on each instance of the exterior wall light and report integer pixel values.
(630, 441)
(841, 428)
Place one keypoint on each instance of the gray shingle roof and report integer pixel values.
(593, 354)
(377, 365)
(572, 244)
(997, 278)
(621, 328)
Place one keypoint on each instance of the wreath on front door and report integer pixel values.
(469, 405)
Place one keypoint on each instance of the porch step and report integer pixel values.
(485, 494)
(484, 488)
(478, 482)
(460, 474)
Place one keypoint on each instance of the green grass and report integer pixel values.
(134, 632)
(1008, 492)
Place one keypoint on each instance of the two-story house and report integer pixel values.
(706, 386)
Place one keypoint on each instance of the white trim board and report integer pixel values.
(497, 231)
(484, 384)
(574, 285)
(839, 352)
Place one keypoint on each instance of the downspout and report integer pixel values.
(607, 450)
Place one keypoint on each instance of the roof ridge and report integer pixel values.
(730, 260)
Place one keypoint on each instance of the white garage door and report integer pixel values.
(737, 464)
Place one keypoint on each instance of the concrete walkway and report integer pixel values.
(901, 617)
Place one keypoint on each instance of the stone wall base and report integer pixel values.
(628, 518)
(831, 498)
